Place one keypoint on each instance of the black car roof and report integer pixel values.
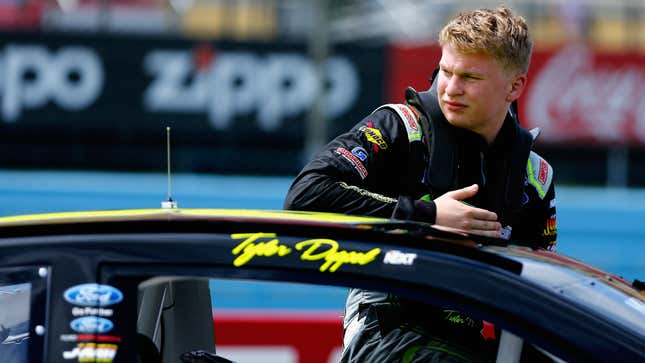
(504, 277)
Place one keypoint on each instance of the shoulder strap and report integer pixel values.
(409, 117)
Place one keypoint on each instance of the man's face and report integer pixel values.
(475, 91)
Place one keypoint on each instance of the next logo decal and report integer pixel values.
(396, 257)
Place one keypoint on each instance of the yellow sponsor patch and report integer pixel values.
(324, 250)
(551, 228)
(374, 136)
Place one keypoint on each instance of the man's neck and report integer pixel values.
(491, 134)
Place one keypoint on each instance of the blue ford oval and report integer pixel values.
(93, 295)
(91, 325)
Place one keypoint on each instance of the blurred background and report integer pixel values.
(254, 87)
(251, 89)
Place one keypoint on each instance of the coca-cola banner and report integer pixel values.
(103, 101)
(574, 94)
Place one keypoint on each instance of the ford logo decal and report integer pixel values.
(91, 325)
(93, 295)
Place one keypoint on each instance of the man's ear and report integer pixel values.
(518, 83)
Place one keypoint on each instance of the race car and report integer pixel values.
(136, 285)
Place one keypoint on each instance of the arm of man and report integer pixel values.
(357, 172)
(371, 170)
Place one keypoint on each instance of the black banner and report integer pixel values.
(103, 102)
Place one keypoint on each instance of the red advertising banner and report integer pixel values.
(574, 94)
(279, 337)
(409, 65)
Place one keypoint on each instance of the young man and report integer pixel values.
(454, 156)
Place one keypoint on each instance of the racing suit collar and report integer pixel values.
(506, 135)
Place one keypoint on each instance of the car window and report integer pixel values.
(248, 320)
(303, 321)
(23, 307)
(271, 321)
(14, 321)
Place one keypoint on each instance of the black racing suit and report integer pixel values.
(383, 167)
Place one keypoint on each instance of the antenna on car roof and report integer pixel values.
(168, 204)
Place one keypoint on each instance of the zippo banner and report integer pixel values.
(103, 102)
(574, 94)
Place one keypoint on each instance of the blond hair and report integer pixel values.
(498, 33)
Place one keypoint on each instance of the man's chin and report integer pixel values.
(456, 120)
(452, 116)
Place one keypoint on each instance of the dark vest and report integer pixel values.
(457, 158)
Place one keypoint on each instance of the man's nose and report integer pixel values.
(454, 86)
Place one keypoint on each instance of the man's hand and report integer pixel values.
(452, 212)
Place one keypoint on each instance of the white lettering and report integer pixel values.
(17, 90)
(273, 86)
(88, 310)
(289, 87)
(32, 75)
(395, 257)
(69, 338)
(232, 88)
(343, 86)
(77, 62)
(169, 91)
